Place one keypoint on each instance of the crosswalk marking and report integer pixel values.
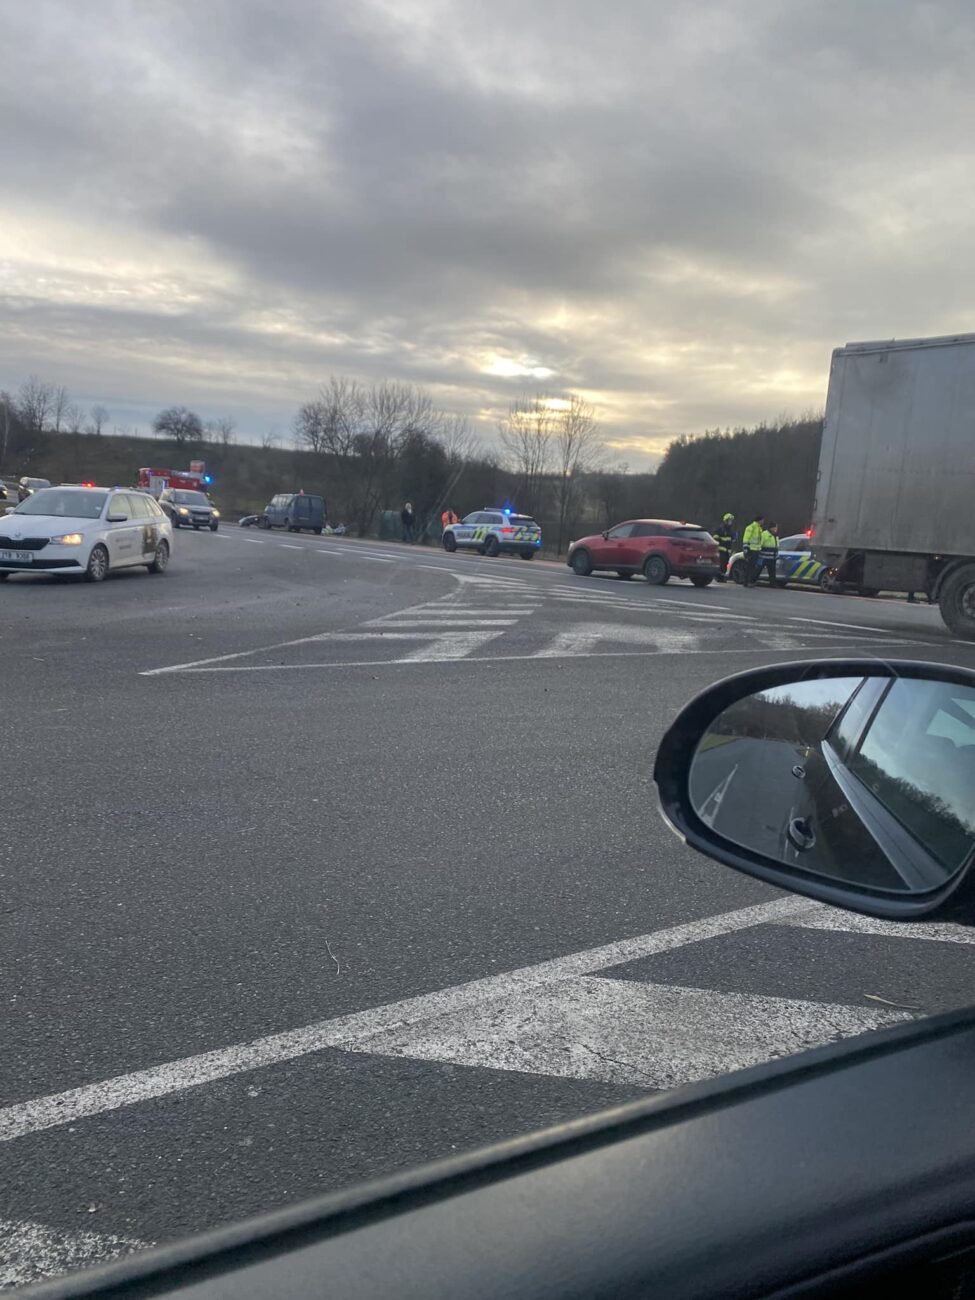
(625, 1031)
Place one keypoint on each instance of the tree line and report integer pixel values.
(372, 447)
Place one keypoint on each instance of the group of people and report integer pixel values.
(759, 542)
(408, 521)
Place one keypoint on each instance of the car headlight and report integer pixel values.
(68, 539)
(216, 514)
(183, 510)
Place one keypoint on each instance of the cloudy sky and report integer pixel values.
(675, 209)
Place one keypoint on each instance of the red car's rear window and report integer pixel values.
(692, 534)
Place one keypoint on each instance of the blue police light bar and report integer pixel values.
(207, 478)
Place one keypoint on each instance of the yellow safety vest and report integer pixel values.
(752, 539)
(770, 542)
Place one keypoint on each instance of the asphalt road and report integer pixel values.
(323, 858)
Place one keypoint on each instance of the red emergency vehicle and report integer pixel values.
(155, 481)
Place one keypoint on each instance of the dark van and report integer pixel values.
(294, 511)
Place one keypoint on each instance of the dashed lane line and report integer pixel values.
(31, 1252)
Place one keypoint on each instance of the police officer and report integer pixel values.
(724, 535)
(769, 553)
(752, 543)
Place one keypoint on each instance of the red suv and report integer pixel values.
(657, 548)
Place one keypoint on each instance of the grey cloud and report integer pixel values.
(426, 184)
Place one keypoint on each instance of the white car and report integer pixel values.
(85, 531)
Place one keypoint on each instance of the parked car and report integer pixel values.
(186, 509)
(27, 486)
(796, 563)
(294, 511)
(660, 549)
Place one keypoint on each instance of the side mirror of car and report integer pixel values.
(605, 534)
(10, 510)
(849, 781)
(116, 519)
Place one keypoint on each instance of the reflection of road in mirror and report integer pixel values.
(761, 780)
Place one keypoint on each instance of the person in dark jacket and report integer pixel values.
(724, 535)
(407, 519)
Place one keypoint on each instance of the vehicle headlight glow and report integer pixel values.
(216, 514)
(68, 539)
(183, 510)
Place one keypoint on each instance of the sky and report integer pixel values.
(675, 210)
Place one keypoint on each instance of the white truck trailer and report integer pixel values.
(895, 492)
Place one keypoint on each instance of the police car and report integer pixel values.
(490, 532)
(795, 563)
(85, 531)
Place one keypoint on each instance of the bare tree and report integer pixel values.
(270, 440)
(74, 419)
(60, 405)
(99, 418)
(221, 430)
(35, 399)
(7, 409)
(576, 451)
(180, 424)
(526, 435)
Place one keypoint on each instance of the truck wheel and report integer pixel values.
(701, 582)
(264, 522)
(317, 532)
(957, 602)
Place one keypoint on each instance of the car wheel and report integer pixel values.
(625, 574)
(701, 582)
(197, 527)
(264, 522)
(449, 543)
(823, 581)
(317, 532)
(738, 572)
(491, 547)
(527, 555)
(581, 563)
(656, 570)
(97, 566)
(160, 561)
(214, 526)
(4, 577)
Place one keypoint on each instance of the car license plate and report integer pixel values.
(16, 557)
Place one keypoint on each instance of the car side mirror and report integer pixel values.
(10, 510)
(849, 781)
(605, 535)
(116, 519)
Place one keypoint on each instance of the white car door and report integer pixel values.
(122, 531)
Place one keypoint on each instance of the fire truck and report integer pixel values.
(155, 481)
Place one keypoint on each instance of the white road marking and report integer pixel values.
(265, 649)
(30, 1252)
(290, 546)
(475, 621)
(625, 1031)
(832, 918)
(536, 657)
(253, 541)
(581, 638)
(451, 645)
(860, 627)
(52, 1111)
